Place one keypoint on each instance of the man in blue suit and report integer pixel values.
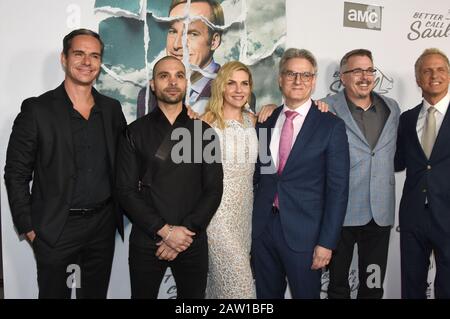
(371, 121)
(301, 186)
(423, 150)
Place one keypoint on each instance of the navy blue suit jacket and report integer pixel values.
(428, 178)
(313, 187)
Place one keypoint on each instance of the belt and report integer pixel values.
(90, 210)
(275, 210)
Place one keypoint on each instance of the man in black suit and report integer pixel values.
(169, 182)
(423, 149)
(65, 142)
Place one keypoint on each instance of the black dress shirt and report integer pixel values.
(371, 122)
(154, 189)
(92, 184)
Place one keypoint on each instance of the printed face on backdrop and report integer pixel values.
(169, 83)
(237, 90)
(433, 77)
(359, 83)
(83, 60)
(200, 43)
(297, 81)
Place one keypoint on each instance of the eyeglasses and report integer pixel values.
(304, 76)
(359, 72)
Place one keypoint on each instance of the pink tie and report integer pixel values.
(287, 134)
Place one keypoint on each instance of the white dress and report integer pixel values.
(229, 233)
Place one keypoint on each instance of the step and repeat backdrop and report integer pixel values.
(254, 32)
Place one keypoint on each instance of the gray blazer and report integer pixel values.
(372, 181)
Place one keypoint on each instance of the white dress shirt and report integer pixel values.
(441, 108)
(302, 110)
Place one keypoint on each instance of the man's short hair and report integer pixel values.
(217, 16)
(426, 53)
(297, 53)
(67, 41)
(167, 57)
(356, 52)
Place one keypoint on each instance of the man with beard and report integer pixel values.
(169, 194)
(371, 123)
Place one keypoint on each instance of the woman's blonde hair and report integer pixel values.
(214, 109)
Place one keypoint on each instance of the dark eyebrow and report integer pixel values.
(81, 51)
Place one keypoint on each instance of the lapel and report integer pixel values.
(107, 124)
(412, 131)
(271, 124)
(308, 128)
(343, 112)
(62, 106)
(385, 136)
(265, 132)
(440, 148)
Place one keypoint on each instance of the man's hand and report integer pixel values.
(265, 112)
(179, 238)
(165, 252)
(31, 235)
(321, 257)
(323, 107)
(192, 114)
(268, 109)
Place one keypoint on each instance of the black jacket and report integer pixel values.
(153, 189)
(425, 178)
(41, 149)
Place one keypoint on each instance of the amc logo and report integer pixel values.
(362, 16)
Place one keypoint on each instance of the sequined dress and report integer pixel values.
(229, 233)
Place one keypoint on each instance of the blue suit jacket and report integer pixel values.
(313, 187)
(428, 178)
(372, 180)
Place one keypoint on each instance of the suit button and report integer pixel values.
(373, 154)
(428, 167)
(424, 190)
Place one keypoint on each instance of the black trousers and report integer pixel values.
(373, 244)
(85, 249)
(189, 268)
(416, 245)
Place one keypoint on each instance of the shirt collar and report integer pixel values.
(301, 110)
(353, 107)
(440, 106)
(201, 83)
(159, 115)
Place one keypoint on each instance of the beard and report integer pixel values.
(165, 97)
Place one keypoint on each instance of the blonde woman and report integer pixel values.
(229, 233)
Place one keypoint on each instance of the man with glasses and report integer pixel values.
(371, 122)
(301, 186)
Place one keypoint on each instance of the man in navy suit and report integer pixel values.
(423, 150)
(301, 186)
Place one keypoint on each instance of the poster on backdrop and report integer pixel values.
(153, 29)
